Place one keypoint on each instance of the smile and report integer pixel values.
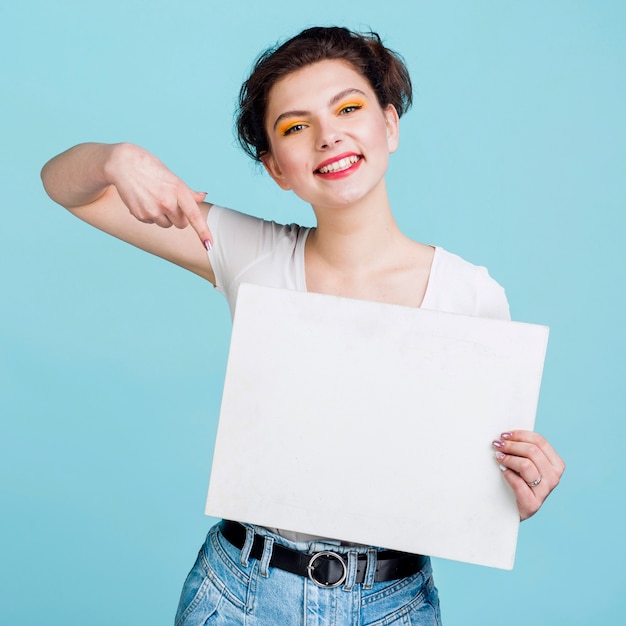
(339, 166)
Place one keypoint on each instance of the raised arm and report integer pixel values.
(127, 192)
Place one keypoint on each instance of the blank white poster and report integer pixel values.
(372, 423)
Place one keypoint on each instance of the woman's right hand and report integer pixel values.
(129, 193)
(152, 193)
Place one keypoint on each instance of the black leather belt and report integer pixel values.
(326, 569)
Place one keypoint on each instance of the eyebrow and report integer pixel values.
(334, 100)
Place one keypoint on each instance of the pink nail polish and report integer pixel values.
(500, 455)
(497, 443)
(506, 435)
(208, 245)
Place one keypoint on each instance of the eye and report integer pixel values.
(293, 128)
(349, 108)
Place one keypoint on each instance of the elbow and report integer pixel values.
(46, 181)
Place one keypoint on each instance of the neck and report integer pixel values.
(357, 236)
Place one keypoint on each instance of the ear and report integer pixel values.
(273, 169)
(392, 121)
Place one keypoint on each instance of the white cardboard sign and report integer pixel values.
(372, 423)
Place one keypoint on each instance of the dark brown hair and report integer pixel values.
(384, 69)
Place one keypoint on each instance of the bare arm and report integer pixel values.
(128, 193)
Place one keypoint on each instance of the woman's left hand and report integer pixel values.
(531, 467)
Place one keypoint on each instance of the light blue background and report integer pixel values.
(112, 361)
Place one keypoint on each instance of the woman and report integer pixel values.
(321, 112)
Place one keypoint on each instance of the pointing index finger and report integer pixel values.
(196, 219)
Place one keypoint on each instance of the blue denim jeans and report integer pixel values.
(226, 587)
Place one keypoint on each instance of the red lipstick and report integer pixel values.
(339, 166)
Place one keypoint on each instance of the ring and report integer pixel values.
(536, 481)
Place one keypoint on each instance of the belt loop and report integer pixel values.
(352, 569)
(370, 571)
(264, 565)
(247, 547)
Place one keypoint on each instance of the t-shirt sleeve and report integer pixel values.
(491, 300)
(457, 286)
(240, 242)
(236, 238)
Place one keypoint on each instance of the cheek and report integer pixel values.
(387, 141)
(289, 161)
(284, 168)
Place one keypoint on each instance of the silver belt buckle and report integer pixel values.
(310, 568)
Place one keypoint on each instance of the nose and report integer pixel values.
(328, 134)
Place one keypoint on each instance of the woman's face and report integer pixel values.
(329, 138)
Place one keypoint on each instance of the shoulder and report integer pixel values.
(251, 249)
(455, 266)
(227, 224)
(458, 286)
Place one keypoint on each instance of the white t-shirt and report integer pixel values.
(252, 250)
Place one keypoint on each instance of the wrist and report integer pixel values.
(112, 161)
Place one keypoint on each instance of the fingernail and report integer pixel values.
(502, 468)
(208, 245)
(500, 455)
(506, 435)
(497, 443)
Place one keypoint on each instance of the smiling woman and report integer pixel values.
(333, 153)
(321, 112)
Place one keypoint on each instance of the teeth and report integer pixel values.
(337, 166)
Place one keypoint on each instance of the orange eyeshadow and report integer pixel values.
(352, 103)
(283, 128)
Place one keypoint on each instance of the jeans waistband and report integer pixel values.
(326, 568)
